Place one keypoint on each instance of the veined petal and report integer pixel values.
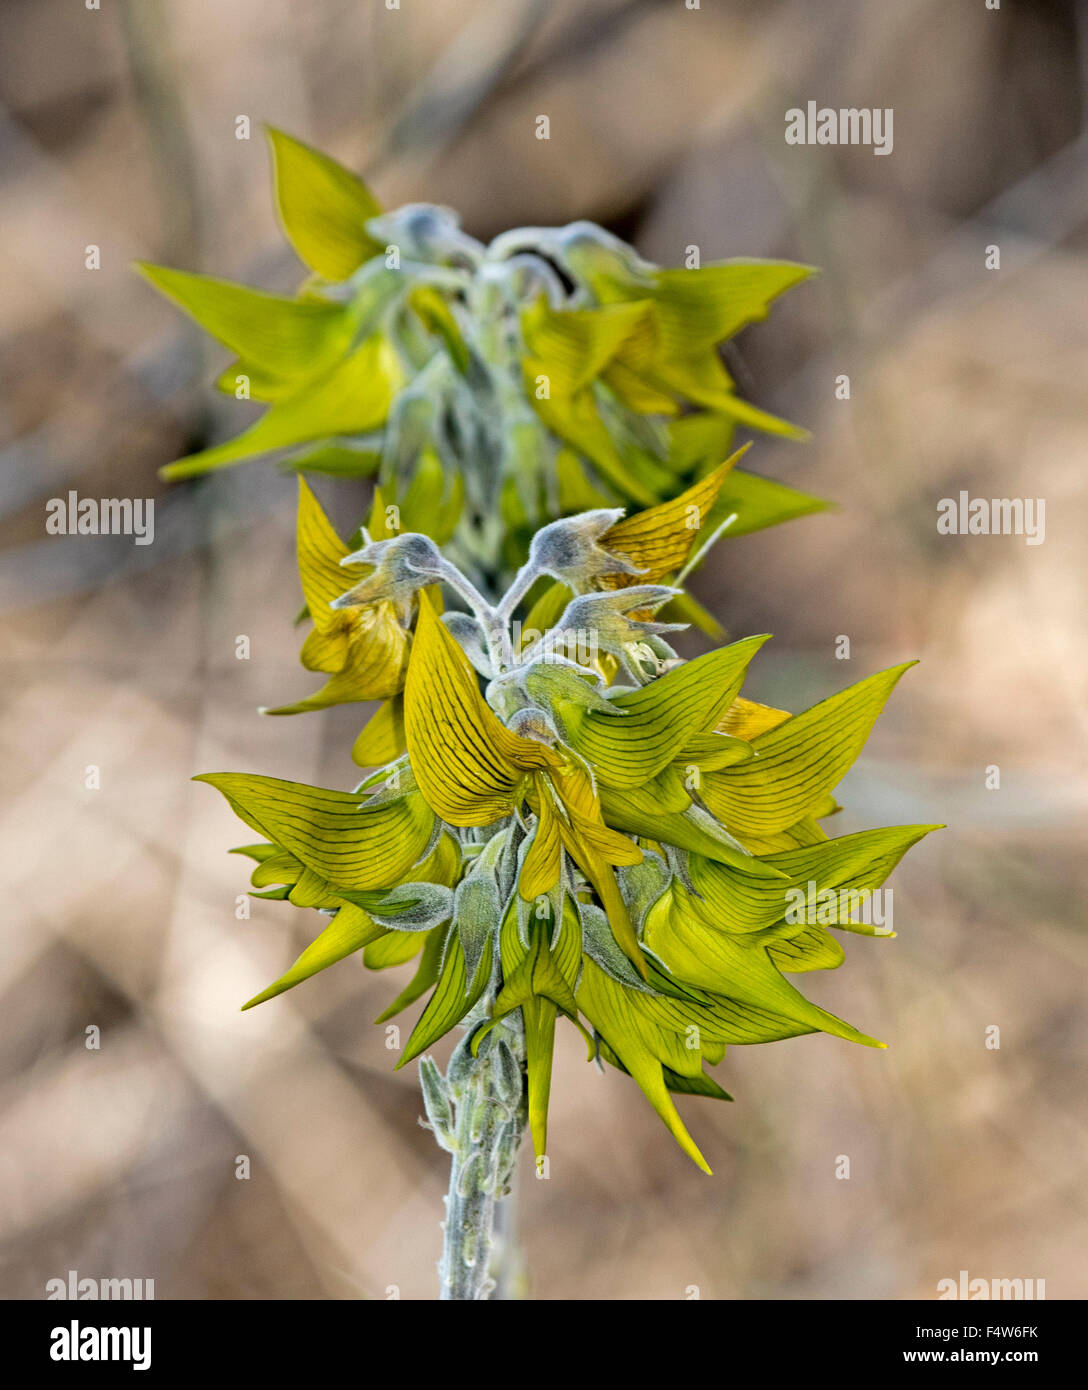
(637, 812)
(382, 738)
(349, 931)
(659, 540)
(351, 398)
(699, 308)
(746, 719)
(799, 761)
(469, 767)
(572, 347)
(323, 206)
(620, 1017)
(738, 968)
(543, 860)
(374, 662)
(453, 998)
(596, 848)
(320, 551)
(350, 845)
(657, 721)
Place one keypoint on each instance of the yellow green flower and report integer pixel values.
(490, 387)
(616, 836)
(362, 645)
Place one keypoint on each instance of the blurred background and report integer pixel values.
(117, 128)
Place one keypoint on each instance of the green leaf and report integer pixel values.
(323, 206)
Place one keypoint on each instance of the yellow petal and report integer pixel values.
(660, 539)
(541, 867)
(320, 551)
(746, 719)
(382, 739)
(469, 767)
(375, 654)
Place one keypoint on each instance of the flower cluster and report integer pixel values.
(493, 387)
(568, 820)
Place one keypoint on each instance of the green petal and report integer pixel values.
(760, 502)
(352, 398)
(641, 1044)
(734, 901)
(393, 948)
(738, 968)
(451, 1001)
(576, 420)
(324, 208)
(349, 844)
(800, 761)
(427, 973)
(572, 347)
(349, 930)
(289, 338)
(699, 308)
(701, 1085)
(636, 811)
(658, 720)
(812, 949)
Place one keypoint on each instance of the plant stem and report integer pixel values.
(489, 1113)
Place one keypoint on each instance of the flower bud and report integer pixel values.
(401, 566)
(569, 549)
(608, 621)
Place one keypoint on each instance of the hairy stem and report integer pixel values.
(487, 1113)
